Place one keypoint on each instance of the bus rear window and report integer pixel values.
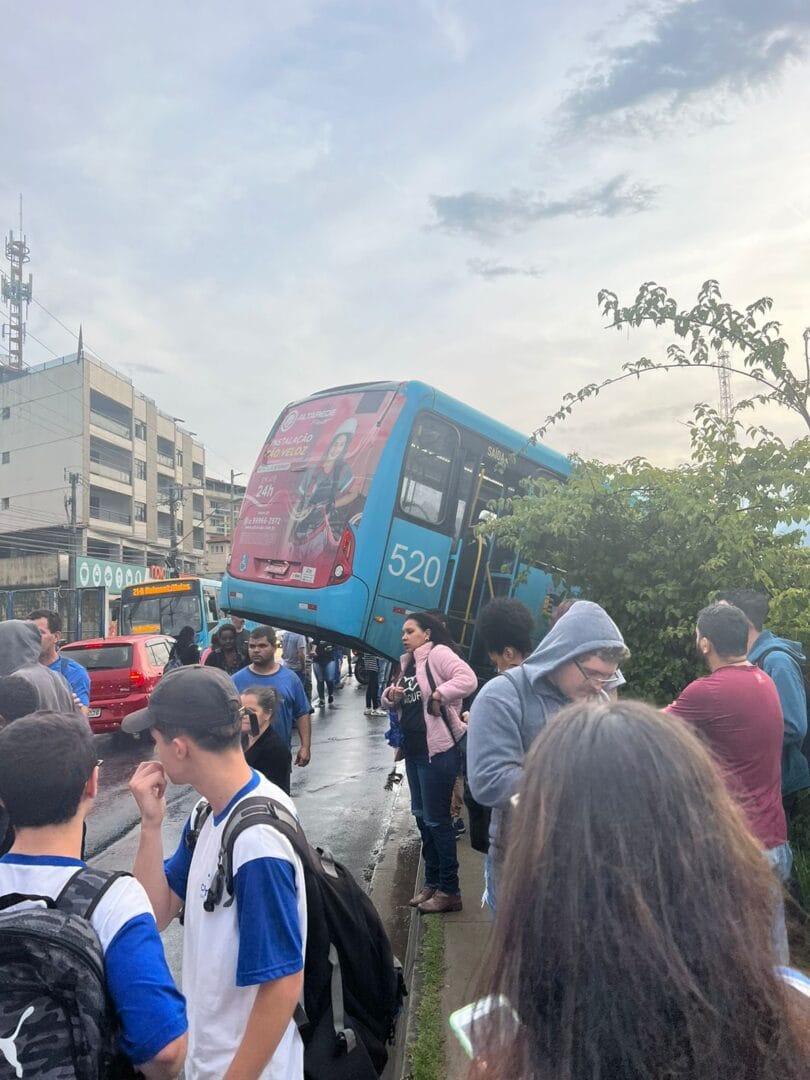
(427, 475)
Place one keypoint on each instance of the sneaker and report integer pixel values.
(379, 712)
(368, 712)
(459, 828)
(331, 700)
(321, 704)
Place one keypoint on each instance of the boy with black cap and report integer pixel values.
(242, 962)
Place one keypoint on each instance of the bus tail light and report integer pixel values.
(345, 558)
(136, 678)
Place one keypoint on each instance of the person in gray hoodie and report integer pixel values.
(578, 658)
(20, 647)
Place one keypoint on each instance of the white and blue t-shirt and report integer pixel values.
(148, 1005)
(291, 701)
(229, 952)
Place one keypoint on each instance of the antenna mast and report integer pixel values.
(724, 375)
(15, 292)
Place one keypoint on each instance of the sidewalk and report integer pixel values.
(466, 935)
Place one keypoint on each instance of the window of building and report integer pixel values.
(5, 504)
(198, 539)
(197, 470)
(140, 469)
(140, 430)
(426, 478)
(6, 412)
(179, 457)
(140, 511)
(6, 457)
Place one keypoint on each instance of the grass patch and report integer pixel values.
(798, 926)
(427, 1051)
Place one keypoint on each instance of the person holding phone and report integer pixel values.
(264, 748)
(633, 937)
(434, 681)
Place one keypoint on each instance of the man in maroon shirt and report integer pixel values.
(737, 713)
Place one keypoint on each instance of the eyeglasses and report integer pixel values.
(593, 677)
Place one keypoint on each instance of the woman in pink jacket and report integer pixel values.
(428, 695)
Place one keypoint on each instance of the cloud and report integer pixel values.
(486, 216)
(691, 49)
(490, 269)
(449, 26)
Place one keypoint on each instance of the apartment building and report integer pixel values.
(137, 467)
(223, 501)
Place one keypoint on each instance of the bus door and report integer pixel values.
(420, 538)
(483, 568)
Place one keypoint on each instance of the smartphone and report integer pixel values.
(470, 1022)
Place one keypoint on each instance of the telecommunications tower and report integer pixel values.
(15, 292)
(724, 375)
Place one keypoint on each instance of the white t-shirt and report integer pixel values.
(148, 1005)
(229, 952)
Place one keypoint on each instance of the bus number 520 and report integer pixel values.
(415, 566)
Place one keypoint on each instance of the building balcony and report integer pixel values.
(112, 472)
(115, 517)
(166, 461)
(107, 423)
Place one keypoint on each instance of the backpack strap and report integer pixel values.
(779, 649)
(258, 810)
(199, 815)
(442, 709)
(85, 889)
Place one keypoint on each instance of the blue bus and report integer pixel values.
(166, 606)
(364, 504)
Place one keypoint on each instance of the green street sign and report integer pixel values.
(93, 573)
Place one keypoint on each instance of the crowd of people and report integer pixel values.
(635, 866)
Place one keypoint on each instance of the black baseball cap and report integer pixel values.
(193, 698)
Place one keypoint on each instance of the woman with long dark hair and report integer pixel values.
(633, 938)
(433, 682)
(185, 651)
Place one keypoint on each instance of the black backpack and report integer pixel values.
(56, 1019)
(353, 984)
(804, 676)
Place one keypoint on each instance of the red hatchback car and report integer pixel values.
(123, 673)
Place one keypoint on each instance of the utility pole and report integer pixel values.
(74, 479)
(233, 501)
(175, 497)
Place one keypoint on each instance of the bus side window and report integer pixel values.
(212, 613)
(425, 491)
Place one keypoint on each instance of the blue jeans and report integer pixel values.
(781, 861)
(324, 673)
(431, 783)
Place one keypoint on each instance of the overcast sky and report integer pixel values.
(244, 203)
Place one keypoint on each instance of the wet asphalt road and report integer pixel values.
(340, 795)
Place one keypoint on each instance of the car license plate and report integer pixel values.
(93, 713)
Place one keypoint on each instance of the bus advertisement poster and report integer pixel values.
(311, 480)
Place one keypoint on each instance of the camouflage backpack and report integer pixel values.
(56, 1022)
